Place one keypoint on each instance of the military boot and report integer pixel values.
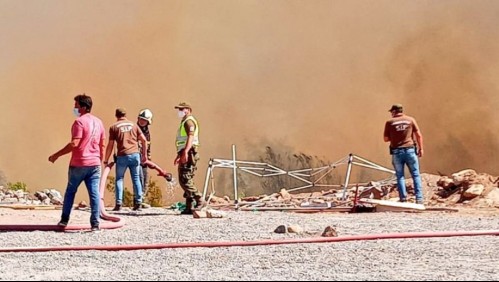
(199, 202)
(188, 206)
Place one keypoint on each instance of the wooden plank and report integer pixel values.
(296, 209)
(31, 207)
(384, 205)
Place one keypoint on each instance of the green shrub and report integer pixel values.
(127, 195)
(154, 195)
(17, 186)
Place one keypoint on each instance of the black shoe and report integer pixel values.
(137, 207)
(186, 211)
(117, 207)
(62, 223)
(95, 228)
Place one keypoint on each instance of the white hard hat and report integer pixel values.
(146, 114)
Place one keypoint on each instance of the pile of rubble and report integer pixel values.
(45, 197)
(465, 188)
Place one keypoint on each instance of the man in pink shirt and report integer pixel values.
(87, 150)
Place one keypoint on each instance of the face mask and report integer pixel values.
(181, 114)
(76, 112)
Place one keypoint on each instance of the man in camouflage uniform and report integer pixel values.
(187, 143)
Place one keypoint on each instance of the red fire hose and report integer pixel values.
(256, 243)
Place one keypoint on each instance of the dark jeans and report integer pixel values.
(91, 175)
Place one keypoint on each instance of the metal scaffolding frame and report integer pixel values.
(304, 175)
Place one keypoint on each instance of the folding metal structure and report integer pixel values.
(309, 176)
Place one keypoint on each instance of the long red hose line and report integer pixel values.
(255, 243)
(117, 222)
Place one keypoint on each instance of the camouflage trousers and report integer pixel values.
(186, 174)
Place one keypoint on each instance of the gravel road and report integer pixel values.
(457, 258)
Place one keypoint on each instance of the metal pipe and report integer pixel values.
(373, 167)
(347, 179)
(235, 173)
(208, 175)
(374, 164)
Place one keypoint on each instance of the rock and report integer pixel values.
(52, 193)
(11, 200)
(494, 196)
(41, 196)
(473, 191)
(56, 201)
(20, 194)
(285, 194)
(82, 205)
(329, 232)
(215, 214)
(281, 229)
(464, 175)
(446, 182)
(199, 214)
(295, 229)
(217, 200)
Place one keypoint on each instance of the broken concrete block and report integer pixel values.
(459, 177)
(199, 214)
(285, 194)
(215, 214)
(473, 191)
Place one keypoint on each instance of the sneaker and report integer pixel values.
(420, 202)
(145, 206)
(403, 200)
(137, 207)
(95, 228)
(117, 207)
(62, 223)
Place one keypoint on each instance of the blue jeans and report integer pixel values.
(131, 162)
(400, 158)
(76, 175)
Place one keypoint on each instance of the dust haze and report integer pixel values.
(315, 76)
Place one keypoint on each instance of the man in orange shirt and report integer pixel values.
(126, 134)
(406, 144)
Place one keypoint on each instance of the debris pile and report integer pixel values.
(21, 197)
(464, 188)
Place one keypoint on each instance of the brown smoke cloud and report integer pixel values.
(317, 76)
